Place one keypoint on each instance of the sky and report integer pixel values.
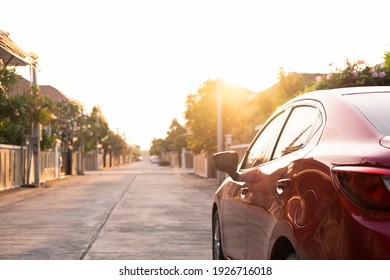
(138, 60)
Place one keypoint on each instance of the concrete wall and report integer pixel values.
(93, 161)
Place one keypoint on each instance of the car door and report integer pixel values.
(234, 208)
(275, 178)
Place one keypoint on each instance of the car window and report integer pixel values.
(258, 152)
(375, 107)
(300, 127)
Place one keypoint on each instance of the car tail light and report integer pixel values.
(369, 187)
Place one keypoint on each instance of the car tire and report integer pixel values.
(292, 256)
(217, 241)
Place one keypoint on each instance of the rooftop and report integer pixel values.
(23, 86)
(10, 53)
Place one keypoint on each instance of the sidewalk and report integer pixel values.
(206, 185)
(20, 193)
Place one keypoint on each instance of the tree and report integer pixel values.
(116, 144)
(8, 78)
(201, 115)
(386, 57)
(17, 113)
(175, 141)
(135, 151)
(67, 119)
(289, 85)
(262, 106)
(94, 128)
(156, 146)
(12, 124)
(176, 137)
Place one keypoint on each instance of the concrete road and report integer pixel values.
(135, 212)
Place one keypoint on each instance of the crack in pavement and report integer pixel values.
(97, 232)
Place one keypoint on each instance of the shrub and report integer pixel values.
(356, 73)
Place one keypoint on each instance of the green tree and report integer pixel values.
(8, 77)
(262, 106)
(175, 140)
(116, 144)
(17, 113)
(156, 146)
(289, 85)
(135, 151)
(11, 123)
(65, 126)
(386, 57)
(201, 115)
(14, 120)
(42, 112)
(176, 137)
(94, 128)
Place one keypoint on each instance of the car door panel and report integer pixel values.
(234, 228)
(265, 204)
(276, 178)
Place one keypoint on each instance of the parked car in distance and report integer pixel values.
(154, 159)
(314, 183)
(139, 158)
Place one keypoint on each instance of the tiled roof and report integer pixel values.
(23, 86)
(52, 93)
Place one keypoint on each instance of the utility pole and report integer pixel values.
(82, 144)
(220, 175)
(36, 133)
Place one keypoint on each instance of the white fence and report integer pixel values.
(16, 170)
(10, 166)
(203, 166)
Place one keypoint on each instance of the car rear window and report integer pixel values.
(375, 107)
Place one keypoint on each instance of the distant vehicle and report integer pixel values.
(140, 158)
(154, 159)
(314, 183)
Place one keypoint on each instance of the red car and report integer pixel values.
(314, 183)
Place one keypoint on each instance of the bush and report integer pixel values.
(356, 74)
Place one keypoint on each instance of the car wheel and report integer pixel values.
(217, 243)
(292, 256)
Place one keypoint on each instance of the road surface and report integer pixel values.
(139, 211)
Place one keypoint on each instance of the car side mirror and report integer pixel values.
(226, 162)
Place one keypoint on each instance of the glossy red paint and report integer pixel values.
(317, 186)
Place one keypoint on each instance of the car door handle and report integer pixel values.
(282, 184)
(243, 192)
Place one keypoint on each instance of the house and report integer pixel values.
(23, 86)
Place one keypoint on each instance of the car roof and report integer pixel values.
(330, 97)
(327, 95)
(349, 90)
